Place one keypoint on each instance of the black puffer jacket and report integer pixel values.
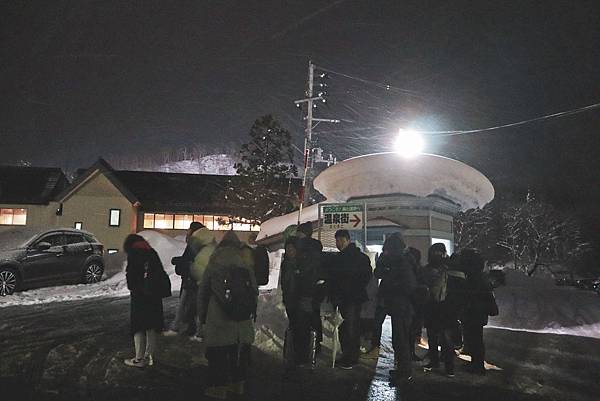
(349, 275)
(479, 299)
(308, 261)
(398, 282)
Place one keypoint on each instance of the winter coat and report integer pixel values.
(309, 259)
(219, 329)
(349, 276)
(398, 282)
(446, 296)
(478, 299)
(146, 311)
(183, 266)
(202, 244)
(288, 270)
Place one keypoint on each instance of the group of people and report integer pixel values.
(219, 292)
(449, 296)
(218, 300)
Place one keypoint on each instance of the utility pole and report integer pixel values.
(309, 100)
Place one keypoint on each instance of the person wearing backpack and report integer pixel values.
(228, 296)
(396, 269)
(443, 307)
(146, 310)
(480, 304)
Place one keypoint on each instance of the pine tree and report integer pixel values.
(266, 168)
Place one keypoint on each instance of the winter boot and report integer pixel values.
(475, 368)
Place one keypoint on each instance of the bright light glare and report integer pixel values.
(409, 143)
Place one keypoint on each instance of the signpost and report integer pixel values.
(347, 216)
(337, 216)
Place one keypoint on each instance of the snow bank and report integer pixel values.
(115, 286)
(276, 225)
(535, 304)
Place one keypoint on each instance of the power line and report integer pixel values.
(374, 83)
(560, 114)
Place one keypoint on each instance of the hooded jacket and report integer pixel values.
(219, 329)
(398, 282)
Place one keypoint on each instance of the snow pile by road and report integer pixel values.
(535, 304)
(114, 286)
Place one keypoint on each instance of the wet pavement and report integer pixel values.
(75, 351)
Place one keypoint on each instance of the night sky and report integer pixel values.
(82, 79)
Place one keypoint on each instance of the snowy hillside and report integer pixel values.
(221, 164)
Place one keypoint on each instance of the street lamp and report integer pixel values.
(409, 143)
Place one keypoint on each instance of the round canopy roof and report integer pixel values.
(383, 174)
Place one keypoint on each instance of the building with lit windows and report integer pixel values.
(26, 193)
(112, 204)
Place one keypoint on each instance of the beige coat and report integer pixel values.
(219, 330)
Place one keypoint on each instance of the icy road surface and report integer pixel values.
(74, 351)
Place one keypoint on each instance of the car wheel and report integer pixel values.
(93, 272)
(9, 281)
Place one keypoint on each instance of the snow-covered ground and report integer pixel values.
(526, 303)
(535, 304)
(114, 286)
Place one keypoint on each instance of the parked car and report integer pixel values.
(53, 256)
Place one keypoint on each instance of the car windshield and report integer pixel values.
(29, 241)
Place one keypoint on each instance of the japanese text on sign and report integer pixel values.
(342, 216)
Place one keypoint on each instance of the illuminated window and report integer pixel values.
(209, 222)
(222, 223)
(182, 221)
(13, 217)
(78, 225)
(164, 221)
(148, 220)
(114, 219)
(167, 221)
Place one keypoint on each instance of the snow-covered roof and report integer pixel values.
(390, 173)
(386, 174)
(276, 225)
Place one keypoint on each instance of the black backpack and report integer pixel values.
(233, 290)
(261, 265)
